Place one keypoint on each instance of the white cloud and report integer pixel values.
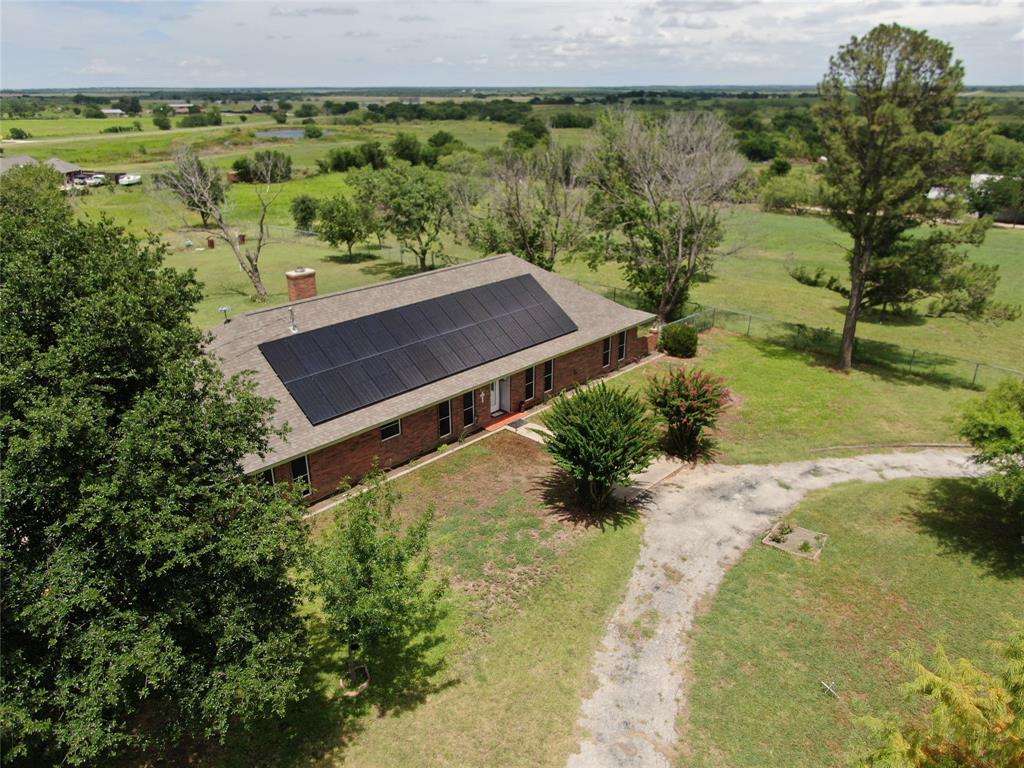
(199, 61)
(570, 42)
(318, 10)
(100, 67)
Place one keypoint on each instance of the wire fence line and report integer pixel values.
(910, 361)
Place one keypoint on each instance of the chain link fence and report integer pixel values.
(945, 369)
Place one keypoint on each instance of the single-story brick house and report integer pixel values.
(390, 372)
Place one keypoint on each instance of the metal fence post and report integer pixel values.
(714, 316)
(749, 318)
(913, 357)
(976, 367)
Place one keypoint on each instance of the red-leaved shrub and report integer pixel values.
(690, 402)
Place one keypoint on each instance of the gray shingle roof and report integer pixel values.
(63, 166)
(235, 343)
(8, 162)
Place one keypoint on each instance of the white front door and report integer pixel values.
(501, 395)
(495, 396)
(505, 394)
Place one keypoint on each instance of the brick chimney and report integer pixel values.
(301, 283)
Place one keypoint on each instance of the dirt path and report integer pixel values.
(697, 525)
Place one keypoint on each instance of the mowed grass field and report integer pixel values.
(501, 677)
(754, 279)
(908, 564)
(789, 405)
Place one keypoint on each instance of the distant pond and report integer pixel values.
(284, 133)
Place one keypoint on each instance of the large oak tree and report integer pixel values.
(146, 595)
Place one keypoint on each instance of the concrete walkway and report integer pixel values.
(698, 523)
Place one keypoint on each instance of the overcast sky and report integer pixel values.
(476, 43)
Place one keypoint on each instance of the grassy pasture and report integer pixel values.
(908, 563)
(754, 279)
(66, 127)
(788, 403)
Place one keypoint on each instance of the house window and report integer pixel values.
(606, 352)
(530, 376)
(468, 409)
(444, 418)
(300, 474)
(622, 346)
(267, 476)
(549, 375)
(391, 431)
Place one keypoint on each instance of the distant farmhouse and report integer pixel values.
(383, 374)
(112, 112)
(10, 162)
(66, 169)
(180, 109)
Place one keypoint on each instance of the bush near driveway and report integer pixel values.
(600, 436)
(690, 402)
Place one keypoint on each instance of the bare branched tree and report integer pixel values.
(535, 206)
(200, 188)
(659, 186)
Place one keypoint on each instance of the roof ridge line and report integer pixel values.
(372, 286)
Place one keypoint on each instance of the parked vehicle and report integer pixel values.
(96, 180)
(129, 179)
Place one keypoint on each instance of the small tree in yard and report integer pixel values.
(600, 436)
(994, 426)
(658, 187)
(303, 209)
(534, 208)
(343, 220)
(199, 188)
(690, 402)
(414, 203)
(374, 580)
(976, 718)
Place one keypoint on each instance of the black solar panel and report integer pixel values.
(341, 368)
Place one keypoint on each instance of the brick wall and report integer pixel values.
(351, 459)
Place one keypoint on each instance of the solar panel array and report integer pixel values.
(340, 368)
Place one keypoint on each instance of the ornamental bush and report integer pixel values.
(994, 426)
(690, 402)
(678, 340)
(600, 436)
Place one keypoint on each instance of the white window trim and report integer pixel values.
(472, 400)
(450, 425)
(606, 352)
(382, 426)
(532, 384)
(544, 382)
(622, 348)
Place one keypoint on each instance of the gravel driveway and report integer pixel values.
(697, 525)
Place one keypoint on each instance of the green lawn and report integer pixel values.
(908, 563)
(531, 592)
(86, 127)
(789, 403)
(754, 279)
